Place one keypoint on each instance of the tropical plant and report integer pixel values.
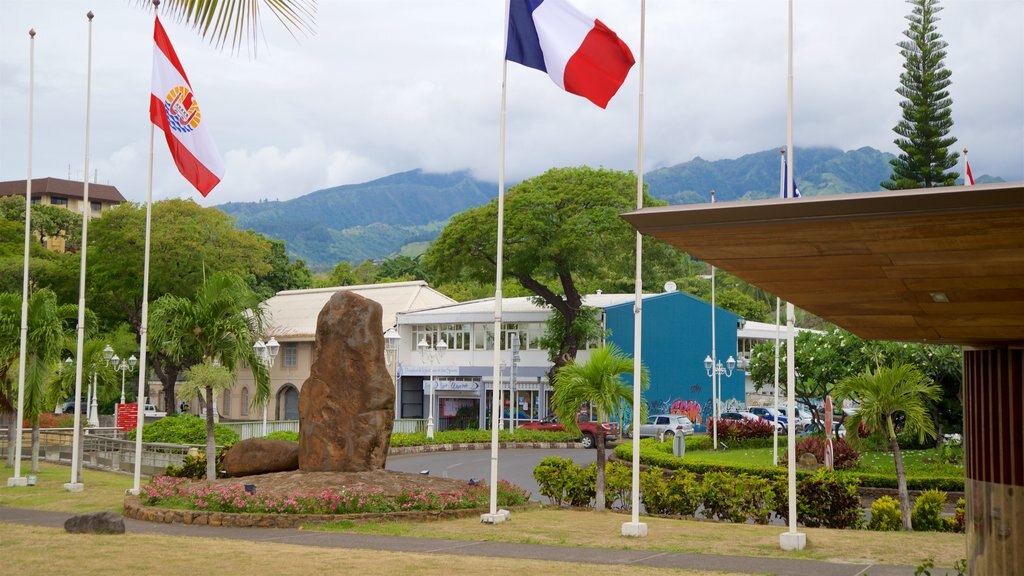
(882, 395)
(239, 20)
(597, 383)
(885, 514)
(927, 118)
(219, 324)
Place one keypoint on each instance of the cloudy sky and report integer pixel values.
(385, 86)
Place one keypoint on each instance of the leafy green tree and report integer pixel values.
(341, 275)
(400, 267)
(563, 237)
(47, 221)
(44, 343)
(923, 131)
(881, 395)
(219, 324)
(596, 383)
(284, 273)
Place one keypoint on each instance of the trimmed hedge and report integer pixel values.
(478, 437)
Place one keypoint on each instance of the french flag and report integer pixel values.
(579, 53)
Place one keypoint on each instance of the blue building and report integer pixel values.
(676, 340)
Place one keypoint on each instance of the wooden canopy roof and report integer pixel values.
(941, 265)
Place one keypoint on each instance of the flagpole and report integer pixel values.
(634, 527)
(144, 327)
(778, 322)
(17, 480)
(76, 482)
(791, 540)
(494, 517)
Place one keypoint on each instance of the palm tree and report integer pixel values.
(219, 324)
(45, 340)
(239, 19)
(597, 383)
(884, 393)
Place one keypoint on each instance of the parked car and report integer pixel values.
(772, 415)
(150, 411)
(68, 407)
(665, 426)
(803, 414)
(743, 415)
(588, 427)
(819, 428)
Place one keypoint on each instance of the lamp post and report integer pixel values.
(267, 353)
(120, 364)
(391, 340)
(431, 355)
(715, 370)
(94, 417)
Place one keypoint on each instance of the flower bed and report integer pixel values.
(181, 494)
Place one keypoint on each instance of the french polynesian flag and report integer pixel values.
(580, 53)
(174, 109)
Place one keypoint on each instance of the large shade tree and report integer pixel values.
(216, 328)
(598, 384)
(923, 131)
(882, 395)
(563, 238)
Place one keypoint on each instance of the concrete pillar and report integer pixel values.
(994, 460)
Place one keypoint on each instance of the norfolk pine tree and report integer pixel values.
(927, 118)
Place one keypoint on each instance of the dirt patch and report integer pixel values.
(391, 483)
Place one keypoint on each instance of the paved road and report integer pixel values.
(514, 465)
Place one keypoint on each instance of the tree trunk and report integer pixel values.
(901, 478)
(211, 445)
(35, 445)
(167, 372)
(12, 433)
(599, 499)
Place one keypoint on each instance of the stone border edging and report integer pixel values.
(479, 446)
(133, 508)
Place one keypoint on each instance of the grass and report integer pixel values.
(103, 490)
(590, 529)
(34, 550)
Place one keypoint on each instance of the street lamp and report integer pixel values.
(266, 353)
(94, 417)
(715, 370)
(391, 340)
(120, 364)
(431, 355)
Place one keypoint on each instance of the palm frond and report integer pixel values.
(240, 21)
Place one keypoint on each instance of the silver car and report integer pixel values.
(664, 426)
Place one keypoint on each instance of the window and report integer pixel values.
(36, 199)
(291, 354)
(95, 206)
(456, 336)
(245, 401)
(226, 407)
(58, 201)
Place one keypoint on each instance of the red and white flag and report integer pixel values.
(174, 109)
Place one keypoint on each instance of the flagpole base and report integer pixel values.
(634, 529)
(498, 518)
(74, 487)
(793, 541)
(19, 481)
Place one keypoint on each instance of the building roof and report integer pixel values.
(520, 309)
(767, 331)
(292, 314)
(942, 265)
(60, 187)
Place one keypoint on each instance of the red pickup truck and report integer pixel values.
(587, 426)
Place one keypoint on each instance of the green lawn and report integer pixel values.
(103, 490)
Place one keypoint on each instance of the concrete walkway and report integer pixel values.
(653, 558)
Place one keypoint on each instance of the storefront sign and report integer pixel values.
(452, 385)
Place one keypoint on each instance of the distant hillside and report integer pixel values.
(359, 221)
(403, 213)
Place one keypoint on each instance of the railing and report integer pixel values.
(104, 448)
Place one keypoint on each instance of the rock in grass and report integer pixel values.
(98, 523)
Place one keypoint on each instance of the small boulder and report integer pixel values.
(807, 461)
(261, 456)
(98, 523)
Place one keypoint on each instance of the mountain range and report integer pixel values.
(403, 212)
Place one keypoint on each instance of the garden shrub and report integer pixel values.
(471, 436)
(185, 429)
(695, 442)
(553, 476)
(679, 495)
(927, 513)
(194, 466)
(288, 435)
(844, 456)
(960, 516)
(827, 499)
(618, 485)
(47, 420)
(723, 498)
(885, 514)
(951, 453)
(582, 486)
(732, 431)
(654, 491)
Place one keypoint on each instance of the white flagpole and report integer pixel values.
(76, 483)
(634, 527)
(791, 540)
(17, 480)
(144, 327)
(494, 517)
(778, 306)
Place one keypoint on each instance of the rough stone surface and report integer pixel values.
(807, 461)
(346, 407)
(260, 456)
(98, 523)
